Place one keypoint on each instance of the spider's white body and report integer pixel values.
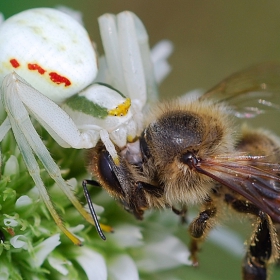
(56, 62)
(50, 49)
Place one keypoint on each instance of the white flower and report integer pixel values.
(127, 236)
(4, 273)
(10, 222)
(11, 166)
(23, 201)
(19, 241)
(59, 264)
(77, 228)
(42, 250)
(164, 254)
(92, 263)
(123, 267)
(228, 240)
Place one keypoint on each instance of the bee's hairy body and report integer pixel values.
(191, 152)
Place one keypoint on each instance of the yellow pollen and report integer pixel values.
(122, 109)
(130, 138)
(116, 160)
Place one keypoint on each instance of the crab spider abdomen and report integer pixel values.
(50, 50)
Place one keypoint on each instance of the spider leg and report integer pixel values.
(34, 171)
(109, 35)
(18, 113)
(4, 128)
(134, 40)
(55, 120)
(128, 57)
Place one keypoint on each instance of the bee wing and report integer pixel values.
(251, 176)
(250, 92)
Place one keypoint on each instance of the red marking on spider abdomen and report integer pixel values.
(14, 63)
(56, 78)
(34, 66)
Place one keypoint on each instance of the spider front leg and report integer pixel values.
(200, 227)
(263, 247)
(34, 171)
(29, 141)
(128, 57)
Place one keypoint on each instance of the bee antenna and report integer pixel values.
(91, 208)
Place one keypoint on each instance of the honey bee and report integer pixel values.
(191, 152)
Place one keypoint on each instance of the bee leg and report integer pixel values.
(200, 227)
(263, 243)
(182, 213)
(259, 252)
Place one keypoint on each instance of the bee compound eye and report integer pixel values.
(190, 159)
(144, 146)
(106, 170)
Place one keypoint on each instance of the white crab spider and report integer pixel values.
(40, 67)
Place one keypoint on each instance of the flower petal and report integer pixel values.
(165, 254)
(59, 264)
(93, 264)
(23, 201)
(42, 250)
(10, 222)
(19, 241)
(4, 273)
(228, 240)
(127, 236)
(123, 267)
(11, 166)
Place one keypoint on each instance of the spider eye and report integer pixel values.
(106, 169)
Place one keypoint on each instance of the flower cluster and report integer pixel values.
(33, 248)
